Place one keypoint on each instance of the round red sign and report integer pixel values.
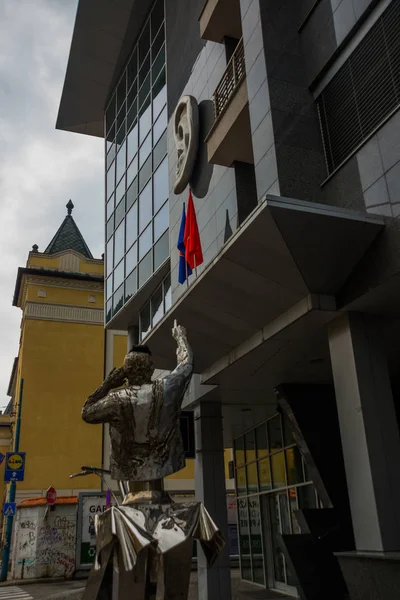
(51, 496)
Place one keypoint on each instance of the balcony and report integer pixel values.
(229, 139)
(219, 19)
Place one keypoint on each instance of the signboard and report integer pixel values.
(10, 509)
(51, 496)
(90, 504)
(15, 466)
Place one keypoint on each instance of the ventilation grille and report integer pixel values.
(365, 90)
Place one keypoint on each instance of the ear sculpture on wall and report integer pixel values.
(186, 133)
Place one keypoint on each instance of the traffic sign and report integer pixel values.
(10, 508)
(51, 496)
(15, 466)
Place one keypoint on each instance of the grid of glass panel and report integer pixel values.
(136, 168)
(271, 483)
(159, 303)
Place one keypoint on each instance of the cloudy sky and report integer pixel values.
(40, 168)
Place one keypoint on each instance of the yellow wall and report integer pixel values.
(62, 363)
(59, 295)
(5, 446)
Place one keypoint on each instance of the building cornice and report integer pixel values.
(54, 278)
(95, 261)
(64, 313)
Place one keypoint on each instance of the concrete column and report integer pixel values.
(369, 431)
(214, 583)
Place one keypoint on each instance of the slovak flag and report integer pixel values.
(184, 269)
(194, 253)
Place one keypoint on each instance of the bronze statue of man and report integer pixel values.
(146, 442)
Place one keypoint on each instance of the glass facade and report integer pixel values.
(137, 240)
(156, 307)
(271, 483)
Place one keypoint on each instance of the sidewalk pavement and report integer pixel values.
(73, 590)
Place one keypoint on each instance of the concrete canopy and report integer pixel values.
(102, 39)
(284, 251)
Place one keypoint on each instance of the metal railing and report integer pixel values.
(234, 74)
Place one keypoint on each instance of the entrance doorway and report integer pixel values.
(271, 482)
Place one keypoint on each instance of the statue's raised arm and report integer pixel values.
(176, 383)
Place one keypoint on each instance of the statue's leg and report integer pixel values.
(99, 583)
(130, 585)
(174, 572)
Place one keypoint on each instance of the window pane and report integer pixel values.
(110, 207)
(157, 16)
(120, 191)
(132, 142)
(157, 44)
(159, 60)
(121, 161)
(145, 173)
(121, 93)
(160, 126)
(145, 242)
(159, 95)
(145, 207)
(264, 474)
(132, 98)
(244, 539)
(255, 540)
(145, 269)
(120, 136)
(119, 275)
(109, 257)
(167, 293)
(132, 193)
(161, 250)
(144, 120)
(144, 42)
(109, 287)
(132, 69)
(239, 451)
(145, 150)
(160, 150)
(119, 246)
(110, 113)
(275, 433)
(132, 115)
(145, 321)
(161, 221)
(241, 481)
(261, 441)
(161, 191)
(157, 306)
(109, 310)
(249, 446)
(252, 481)
(111, 155)
(118, 299)
(109, 228)
(144, 70)
(294, 465)
(110, 180)
(131, 225)
(144, 94)
(132, 171)
(131, 259)
(121, 123)
(130, 285)
(278, 470)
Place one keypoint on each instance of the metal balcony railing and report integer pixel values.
(234, 74)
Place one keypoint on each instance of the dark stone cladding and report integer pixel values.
(184, 44)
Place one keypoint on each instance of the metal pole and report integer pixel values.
(11, 497)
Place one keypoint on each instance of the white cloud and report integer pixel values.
(40, 168)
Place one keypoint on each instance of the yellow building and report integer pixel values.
(63, 355)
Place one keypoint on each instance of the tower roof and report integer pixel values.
(68, 237)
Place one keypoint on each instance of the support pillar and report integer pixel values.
(214, 583)
(369, 431)
(133, 337)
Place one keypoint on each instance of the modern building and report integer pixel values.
(283, 117)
